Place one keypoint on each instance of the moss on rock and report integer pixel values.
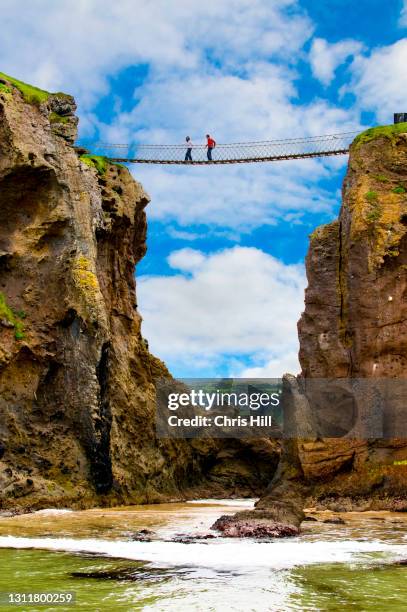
(381, 178)
(56, 118)
(388, 131)
(99, 162)
(5, 89)
(13, 318)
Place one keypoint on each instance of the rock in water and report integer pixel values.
(253, 524)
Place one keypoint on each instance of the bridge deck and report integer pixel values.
(235, 153)
(244, 160)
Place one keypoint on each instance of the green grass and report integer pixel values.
(12, 317)
(95, 161)
(374, 214)
(375, 210)
(399, 189)
(371, 196)
(381, 178)
(99, 162)
(4, 88)
(55, 118)
(388, 131)
(119, 165)
(31, 94)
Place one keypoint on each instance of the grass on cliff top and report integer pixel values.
(100, 162)
(12, 317)
(389, 131)
(95, 161)
(31, 94)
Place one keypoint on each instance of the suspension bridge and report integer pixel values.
(233, 153)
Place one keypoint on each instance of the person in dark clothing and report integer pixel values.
(210, 145)
(188, 154)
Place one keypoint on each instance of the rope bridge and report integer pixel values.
(235, 153)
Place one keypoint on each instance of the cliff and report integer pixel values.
(354, 322)
(345, 414)
(77, 382)
(353, 339)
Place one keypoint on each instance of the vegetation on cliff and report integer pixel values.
(388, 131)
(12, 318)
(31, 94)
(99, 162)
(353, 328)
(376, 189)
(5, 89)
(57, 118)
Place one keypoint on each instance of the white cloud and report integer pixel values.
(235, 304)
(234, 107)
(325, 57)
(227, 67)
(260, 105)
(182, 235)
(75, 46)
(380, 80)
(272, 366)
(238, 197)
(186, 260)
(224, 67)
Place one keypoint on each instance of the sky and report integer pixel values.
(222, 285)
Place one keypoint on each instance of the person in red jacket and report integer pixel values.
(210, 145)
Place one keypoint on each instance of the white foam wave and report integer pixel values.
(240, 502)
(220, 554)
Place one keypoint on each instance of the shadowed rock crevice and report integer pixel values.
(101, 463)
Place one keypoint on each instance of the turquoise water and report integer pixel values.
(350, 587)
(91, 553)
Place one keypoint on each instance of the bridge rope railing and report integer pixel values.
(238, 152)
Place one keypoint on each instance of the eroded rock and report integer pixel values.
(252, 524)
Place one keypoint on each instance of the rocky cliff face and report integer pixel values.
(355, 325)
(345, 415)
(77, 393)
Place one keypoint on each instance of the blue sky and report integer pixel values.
(221, 287)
